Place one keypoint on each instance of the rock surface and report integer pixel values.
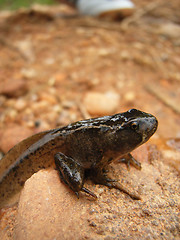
(49, 210)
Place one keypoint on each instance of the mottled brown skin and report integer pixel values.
(88, 145)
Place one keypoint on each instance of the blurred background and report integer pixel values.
(58, 66)
(10, 4)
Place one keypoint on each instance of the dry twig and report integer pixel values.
(10, 46)
(163, 97)
(141, 12)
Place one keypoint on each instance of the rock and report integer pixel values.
(48, 97)
(28, 72)
(20, 104)
(13, 87)
(48, 209)
(12, 135)
(170, 151)
(101, 104)
(40, 107)
(130, 96)
(170, 30)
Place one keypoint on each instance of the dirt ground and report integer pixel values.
(54, 64)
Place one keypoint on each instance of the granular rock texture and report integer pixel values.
(49, 210)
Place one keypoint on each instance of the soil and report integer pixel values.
(52, 59)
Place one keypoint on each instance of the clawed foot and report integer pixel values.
(73, 175)
(101, 178)
(128, 159)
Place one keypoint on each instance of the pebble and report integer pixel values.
(67, 104)
(57, 108)
(20, 104)
(48, 98)
(130, 96)
(104, 52)
(49, 61)
(101, 104)
(13, 87)
(40, 107)
(12, 113)
(28, 73)
(12, 135)
(59, 77)
(170, 30)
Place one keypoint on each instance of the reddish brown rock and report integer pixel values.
(13, 87)
(12, 135)
(48, 209)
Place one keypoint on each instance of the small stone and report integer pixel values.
(28, 73)
(12, 113)
(129, 96)
(48, 98)
(40, 107)
(51, 81)
(59, 77)
(125, 55)
(49, 61)
(101, 104)
(20, 104)
(170, 30)
(57, 108)
(104, 52)
(13, 87)
(67, 104)
(12, 135)
(30, 124)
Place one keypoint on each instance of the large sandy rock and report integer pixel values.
(48, 209)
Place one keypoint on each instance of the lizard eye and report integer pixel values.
(134, 125)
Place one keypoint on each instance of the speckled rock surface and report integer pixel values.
(49, 210)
